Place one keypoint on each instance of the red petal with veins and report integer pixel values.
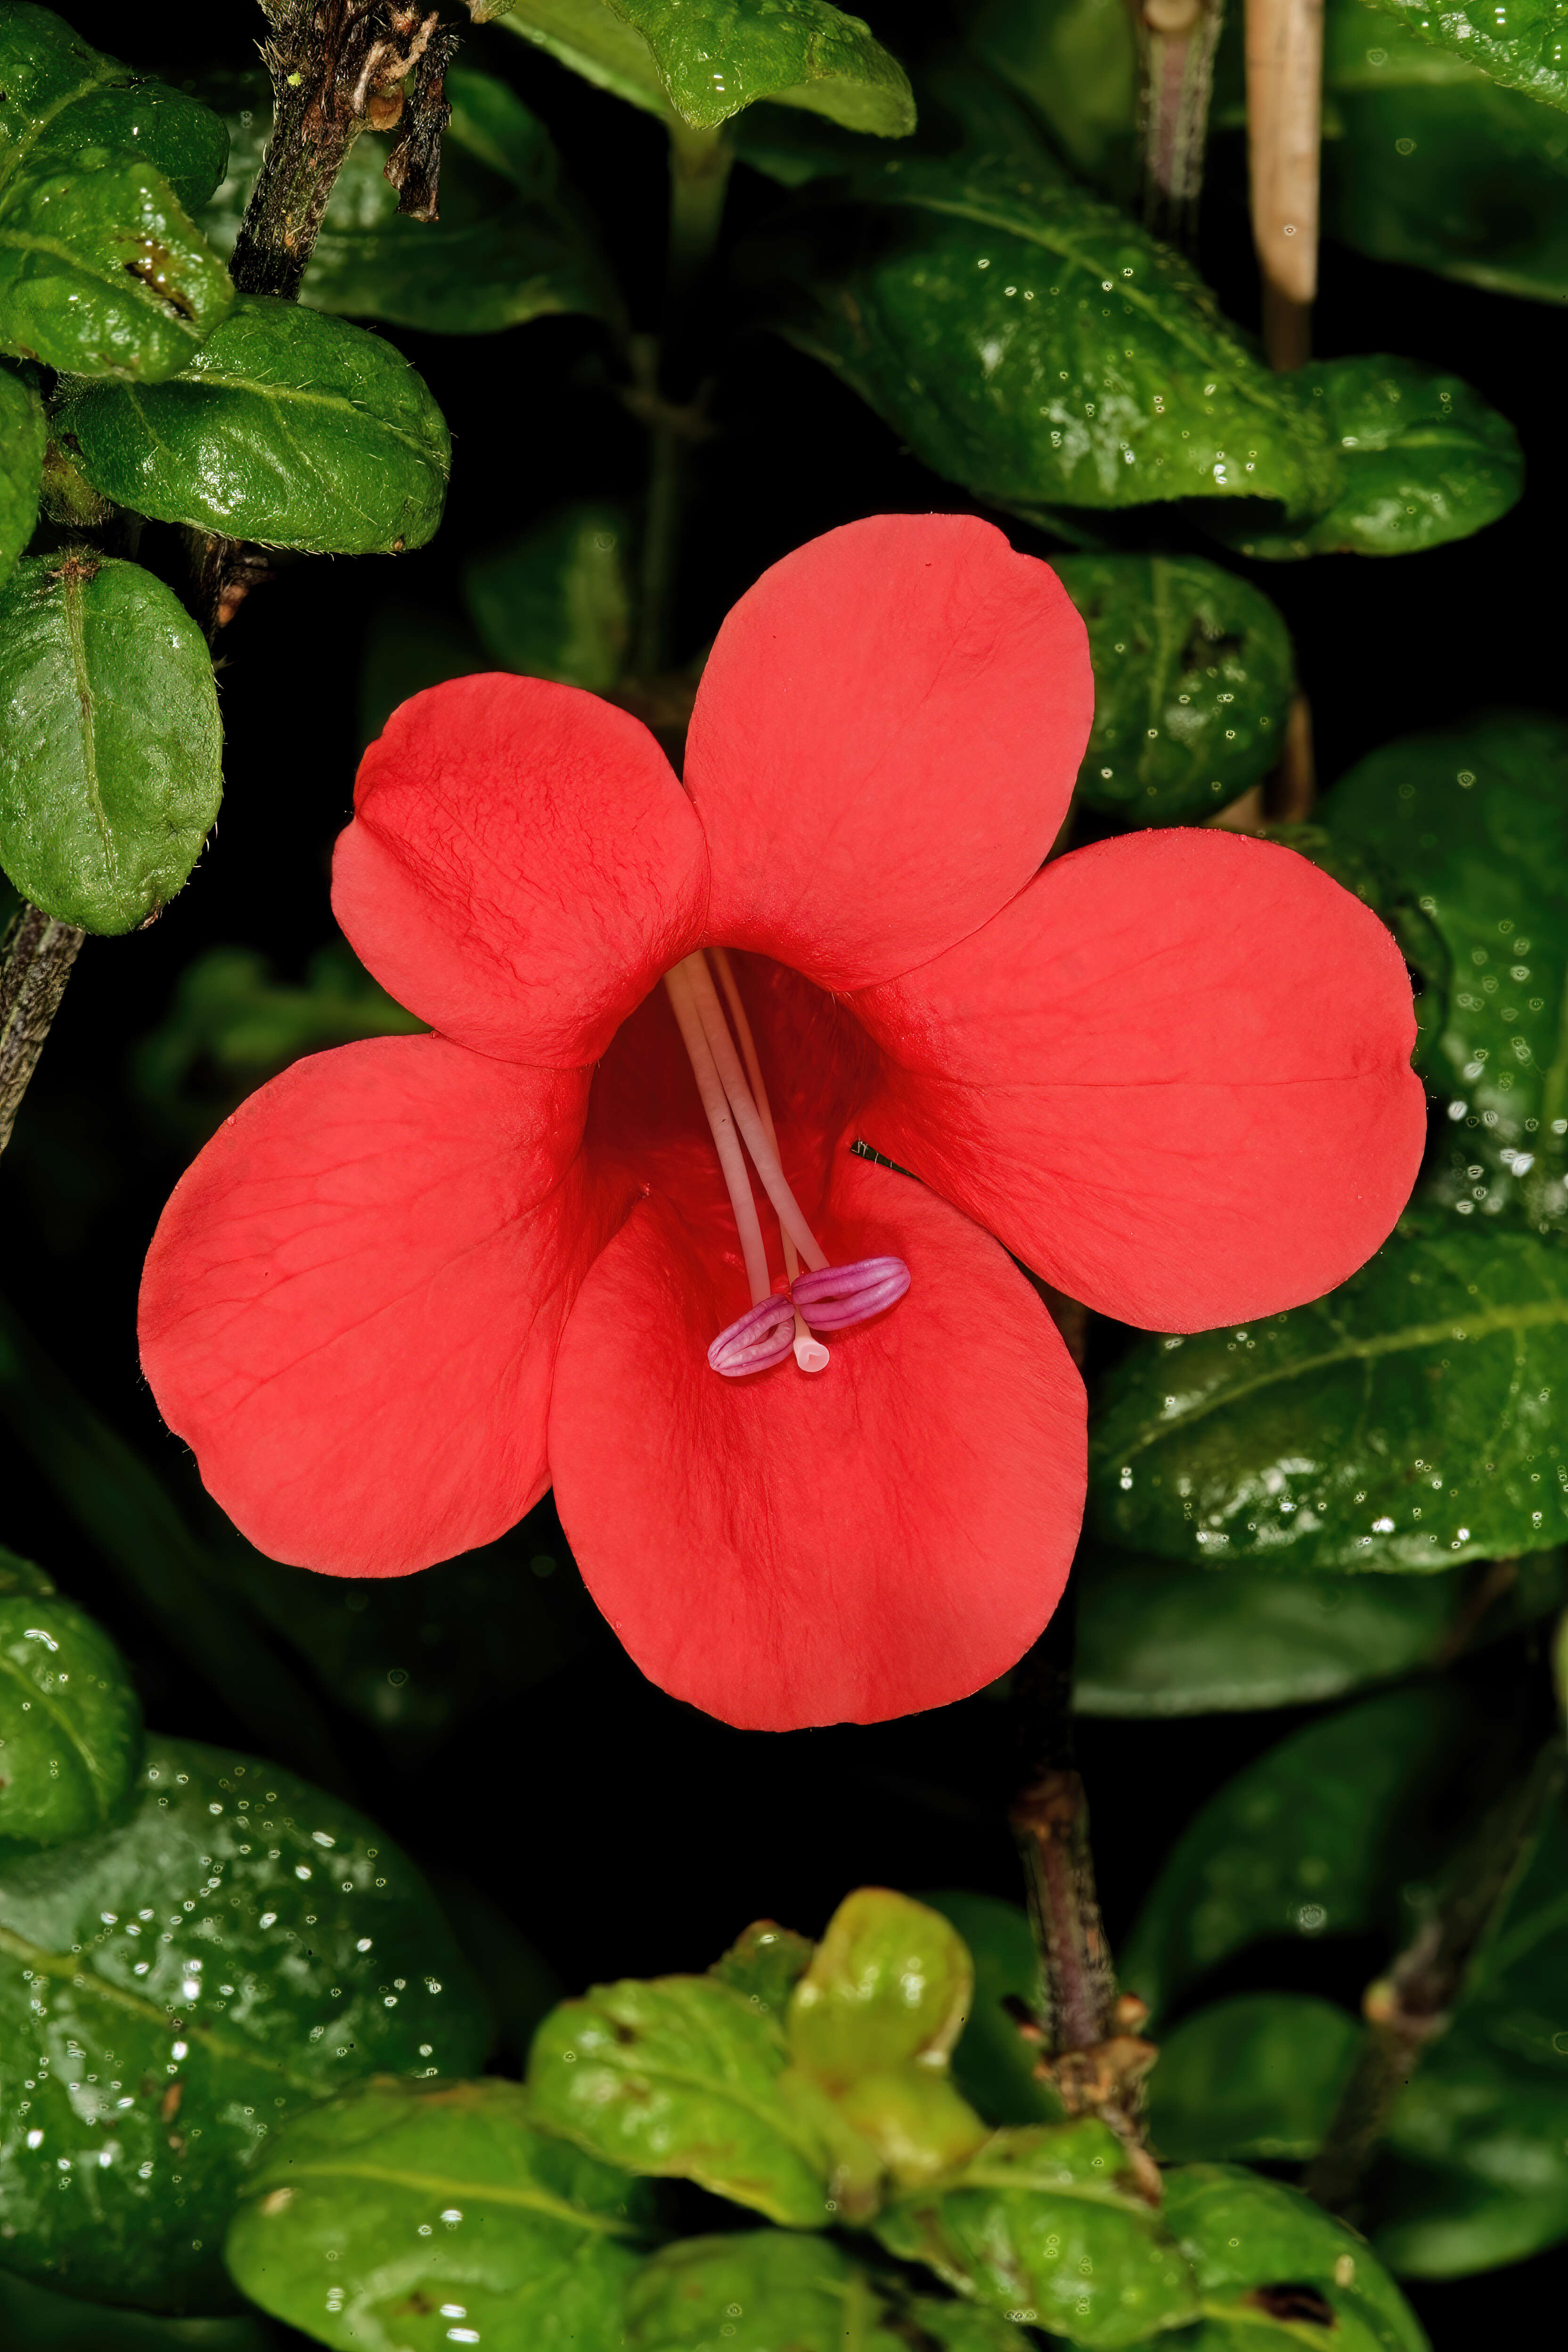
(522, 867)
(1172, 1076)
(352, 1304)
(790, 1550)
(885, 741)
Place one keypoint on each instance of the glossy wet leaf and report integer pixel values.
(1520, 46)
(1410, 1420)
(1438, 165)
(1193, 678)
(1312, 1840)
(383, 2215)
(111, 745)
(70, 1722)
(556, 601)
(1257, 2077)
(1244, 2235)
(992, 2064)
(22, 440)
(1473, 822)
(102, 268)
(705, 60)
(43, 2321)
(288, 427)
(242, 1947)
(1077, 63)
(1041, 2226)
(1028, 341)
(511, 244)
(764, 2291)
(1422, 459)
(764, 1965)
(682, 2075)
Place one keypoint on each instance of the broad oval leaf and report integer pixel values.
(1520, 46)
(70, 1722)
(762, 2291)
(1076, 61)
(288, 427)
(46, 2322)
(1410, 1420)
(23, 436)
(61, 95)
(111, 745)
(170, 1989)
(1193, 678)
(1244, 2235)
(1472, 825)
(1040, 2226)
(1422, 459)
(1030, 342)
(764, 1965)
(992, 2064)
(1254, 2078)
(1475, 2169)
(383, 2215)
(555, 601)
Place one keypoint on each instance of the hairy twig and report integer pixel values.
(35, 959)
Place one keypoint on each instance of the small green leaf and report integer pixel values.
(1475, 2169)
(387, 2213)
(1039, 2225)
(792, 2295)
(706, 59)
(1311, 1840)
(23, 436)
(1520, 46)
(1472, 824)
(1193, 678)
(1258, 2077)
(1244, 2236)
(45, 2322)
(288, 427)
(764, 1966)
(101, 268)
(1030, 342)
(110, 745)
(70, 1723)
(172, 1988)
(555, 601)
(1423, 461)
(992, 2064)
(1410, 1420)
(682, 2075)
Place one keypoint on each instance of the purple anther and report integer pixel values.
(756, 1340)
(840, 1295)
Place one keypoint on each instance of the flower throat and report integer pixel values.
(735, 1100)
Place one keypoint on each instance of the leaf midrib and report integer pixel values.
(531, 2200)
(340, 403)
(73, 596)
(23, 147)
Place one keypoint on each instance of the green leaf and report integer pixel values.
(111, 745)
(1473, 824)
(706, 59)
(1305, 1843)
(1256, 2077)
(101, 268)
(510, 244)
(1244, 2235)
(23, 438)
(1408, 1421)
(1520, 46)
(288, 427)
(1474, 2173)
(1193, 678)
(1028, 341)
(170, 1989)
(1436, 165)
(387, 2213)
(682, 2077)
(992, 2064)
(1039, 2226)
(555, 601)
(792, 2295)
(1077, 63)
(70, 1723)
(764, 1965)
(45, 2322)
(1423, 461)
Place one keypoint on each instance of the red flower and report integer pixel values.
(412, 1283)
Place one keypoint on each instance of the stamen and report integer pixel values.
(810, 1353)
(836, 1296)
(764, 1157)
(756, 1340)
(726, 1141)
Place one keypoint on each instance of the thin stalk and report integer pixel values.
(1177, 45)
(1284, 143)
(35, 959)
(1289, 794)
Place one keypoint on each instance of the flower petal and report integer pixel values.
(522, 867)
(789, 1550)
(351, 1303)
(1173, 1076)
(884, 743)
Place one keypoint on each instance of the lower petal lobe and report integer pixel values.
(787, 1549)
(1172, 1076)
(352, 1304)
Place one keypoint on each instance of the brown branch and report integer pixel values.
(1177, 45)
(35, 959)
(1284, 141)
(1289, 794)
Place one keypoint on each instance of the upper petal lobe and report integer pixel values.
(1174, 1076)
(352, 1300)
(884, 743)
(885, 1536)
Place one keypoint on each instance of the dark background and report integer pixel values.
(624, 1832)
